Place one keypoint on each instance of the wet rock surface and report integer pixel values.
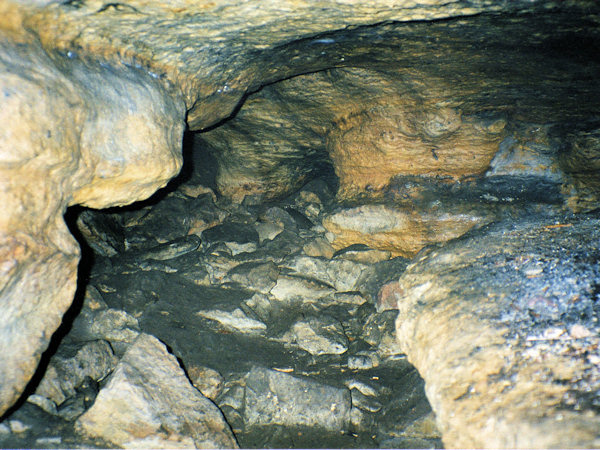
(290, 347)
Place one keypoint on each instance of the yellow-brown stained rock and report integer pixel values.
(72, 132)
(402, 137)
(401, 231)
(500, 370)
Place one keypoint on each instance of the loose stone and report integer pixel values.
(294, 401)
(318, 336)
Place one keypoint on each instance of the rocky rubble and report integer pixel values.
(290, 347)
(463, 134)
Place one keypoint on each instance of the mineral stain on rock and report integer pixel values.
(365, 186)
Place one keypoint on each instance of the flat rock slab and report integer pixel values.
(294, 401)
(503, 326)
(149, 402)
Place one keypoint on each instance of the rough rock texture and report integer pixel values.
(504, 327)
(76, 133)
(451, 123)
(149, 402)
(242, 46)
(90, 122)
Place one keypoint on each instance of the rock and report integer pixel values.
(349, 298)
(206, 380)
(280, 217)
(96, 321)
(363, 254)
(148, 401)
(260, 277)
(278, 398)
(73, 137)
(237, 237)
(102, 232)
(65, 375)
(342, 274)
(387, 298)
(235, 320)
(379, 331)
(95, 117)
(319, 247)
(44, 403)
(295, 288)
(499, 366)
(268, 231)
(361, 401)
(172, 249)
(363, 388)
(363, 361)
(319, 336)
(399, 231)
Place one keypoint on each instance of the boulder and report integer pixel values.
(149, 402)
(503, 327)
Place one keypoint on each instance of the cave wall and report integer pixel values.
(439, 120)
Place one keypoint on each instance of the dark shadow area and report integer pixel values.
(83, 273)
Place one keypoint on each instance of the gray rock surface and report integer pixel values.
(148, 402)
(278, 398)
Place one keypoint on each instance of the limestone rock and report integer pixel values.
(319, 247)
(490, 321)
(235, 320)
(399, 231)
(167, 44)
(71, 139)
(149, 402)
(319, 336)
(343, 275)
(294, 401)
(206, 380)
(296, 288)
(94, 360)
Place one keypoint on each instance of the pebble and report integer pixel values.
(319, 336)
(206, 380)
(363, 361)
(16, 426)
(361, 401)
(235, 320)
(290, 287)
(362, 387)
(47, 441)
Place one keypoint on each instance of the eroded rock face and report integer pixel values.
(503, 326)
(73, 132)
(433, 128)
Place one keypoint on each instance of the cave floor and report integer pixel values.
(240, 295)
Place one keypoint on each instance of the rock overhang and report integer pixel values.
(539, 117)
